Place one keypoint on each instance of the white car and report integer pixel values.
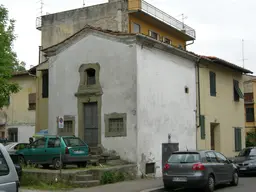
(9, 180)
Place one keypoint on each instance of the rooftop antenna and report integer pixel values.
(183, 17)
(83, 3)
(41, 7)
(243, 59)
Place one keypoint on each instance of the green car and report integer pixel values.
(55, 150)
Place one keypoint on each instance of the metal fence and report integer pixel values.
(157, 13)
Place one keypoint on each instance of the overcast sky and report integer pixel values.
(220, 25)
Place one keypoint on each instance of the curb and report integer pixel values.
(153, 189)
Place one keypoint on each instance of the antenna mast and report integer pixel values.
(41, 7)
(243, 59)
(83, 3)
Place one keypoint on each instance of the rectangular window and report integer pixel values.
(115, 125)
(32, 101)
(202, 125)
(238, 139)
(68, 127)
(237, 91)
(249, 114)
(212, 83)
(153, 34)
(166, 40)
(136, 28)
(45, 84)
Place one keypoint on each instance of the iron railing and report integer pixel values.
(164, 17)
(38, 23)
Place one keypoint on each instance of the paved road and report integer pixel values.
(246, 184)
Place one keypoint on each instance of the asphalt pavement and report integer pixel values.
(246, 184)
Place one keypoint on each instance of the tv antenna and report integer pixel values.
(83, 3)
(183, 17)
(41, 7)
(243, 59)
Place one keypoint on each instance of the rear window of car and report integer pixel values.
(184, 158)
(73, 141)
(4, 169)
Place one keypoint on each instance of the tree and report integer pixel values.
(20, 66)
(8, 58)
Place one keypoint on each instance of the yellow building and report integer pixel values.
(19, 115)
(249, 103)
(220, 106)
(132, 16)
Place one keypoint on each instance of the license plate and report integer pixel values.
(78, 152)
(179, 179)
(242, 168)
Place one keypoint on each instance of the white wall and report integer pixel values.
(163, 107)
(118, 80)
(24, 132)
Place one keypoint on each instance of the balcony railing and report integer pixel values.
(164, 17)
(39, 23)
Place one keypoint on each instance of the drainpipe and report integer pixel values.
(198, 99)
(191, 43)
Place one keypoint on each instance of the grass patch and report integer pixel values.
(31, 182)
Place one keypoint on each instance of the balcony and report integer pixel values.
(135, 5)
(39, 23)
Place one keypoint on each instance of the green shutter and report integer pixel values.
(202, 125)
(238, 139)
(212, 83)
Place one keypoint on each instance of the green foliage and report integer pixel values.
(32, 182)
(251, 139)
(112, 177)
(8, 59)
(20, 67)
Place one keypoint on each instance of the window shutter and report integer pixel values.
(212, 83)
(238, 139)
(202, 125)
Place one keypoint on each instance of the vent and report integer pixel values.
(150, 168)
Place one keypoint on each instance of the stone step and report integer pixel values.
(84, 177)
(91, 183)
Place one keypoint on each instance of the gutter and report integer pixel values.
(198, 99)
(198, 91)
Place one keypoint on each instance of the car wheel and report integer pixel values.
(57, 163)
(210, 184)
(235, 179)
(46, 166)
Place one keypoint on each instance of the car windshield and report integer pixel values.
(184, 158)
(73, 141)
(248, 152)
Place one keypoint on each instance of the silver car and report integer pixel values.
(199, 169)
(9, 181)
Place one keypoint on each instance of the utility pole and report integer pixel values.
(243, 52)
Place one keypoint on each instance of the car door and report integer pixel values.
(37, 151)
(226, 168)
(211, 157)
(53, 149)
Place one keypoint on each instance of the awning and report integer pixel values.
(238, 91)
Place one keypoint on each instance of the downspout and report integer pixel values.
(198, 99)
(190, 43)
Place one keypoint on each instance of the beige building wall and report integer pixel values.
(220, 111)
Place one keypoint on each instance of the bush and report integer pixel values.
(112, 177)
(251, 139)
